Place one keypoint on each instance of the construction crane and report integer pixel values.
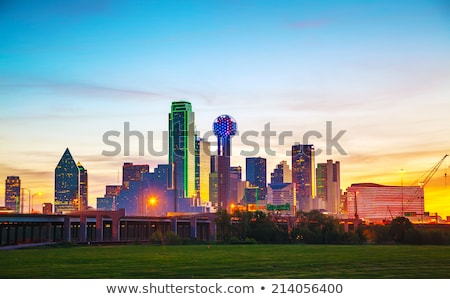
(423, 181)
(431, 172)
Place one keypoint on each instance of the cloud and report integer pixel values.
(77, 89)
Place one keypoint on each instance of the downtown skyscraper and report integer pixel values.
(329, 186)
(83, 181)
(70, 185)
(12, 193)
(182, 149)
(303, 175)
(256, 174)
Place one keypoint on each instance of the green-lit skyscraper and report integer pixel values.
(182, 148)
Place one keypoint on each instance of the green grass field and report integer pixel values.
(228, 261)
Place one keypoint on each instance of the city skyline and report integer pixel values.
(378, 71)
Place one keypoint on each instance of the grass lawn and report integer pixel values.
(228, 261)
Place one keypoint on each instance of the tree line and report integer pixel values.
(315, 227)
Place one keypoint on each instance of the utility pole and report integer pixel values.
(401, 179)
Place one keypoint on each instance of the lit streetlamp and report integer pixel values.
(30, 199)
(150, 202)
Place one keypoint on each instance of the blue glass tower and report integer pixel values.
(67, 188)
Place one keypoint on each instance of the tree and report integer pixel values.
(398, 228)
(223, 225)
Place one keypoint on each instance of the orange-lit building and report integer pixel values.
(377, 203)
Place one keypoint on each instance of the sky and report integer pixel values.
(367, 80)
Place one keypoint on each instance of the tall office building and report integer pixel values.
(67, 184)
(236, 188)
(131, 197)
(182, 148)
(329, 186)
(203, 169)
(303, 175)
(256, 173)
(132, 172)
(281, 174)
(83, 177)
(158, 199)
(225, 128)
(12, 193)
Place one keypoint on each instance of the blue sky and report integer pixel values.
(380, 70)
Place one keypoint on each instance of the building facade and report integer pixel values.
(328, 177)
(281, 198)
(256, 174)
(132, 172)
(67, 184)
(224, 128)
(377, 203)
(12, 193)
(303, 175)
(204, 169)
(83, 181)
(281, 174)
(182, 148)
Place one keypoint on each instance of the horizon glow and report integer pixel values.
(70, 71)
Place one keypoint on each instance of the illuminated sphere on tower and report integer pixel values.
(224, 128)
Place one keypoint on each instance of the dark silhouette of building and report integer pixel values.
(12, 193)
(256, 173)
(303, 175)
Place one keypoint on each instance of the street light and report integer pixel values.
(151, 201)
(23, 199)
(30, 199)
(356, 205)
(32, 196)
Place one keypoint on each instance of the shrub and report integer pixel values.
(172, 239)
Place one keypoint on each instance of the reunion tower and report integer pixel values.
(224, 128)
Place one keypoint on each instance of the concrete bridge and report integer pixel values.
(100, 226)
